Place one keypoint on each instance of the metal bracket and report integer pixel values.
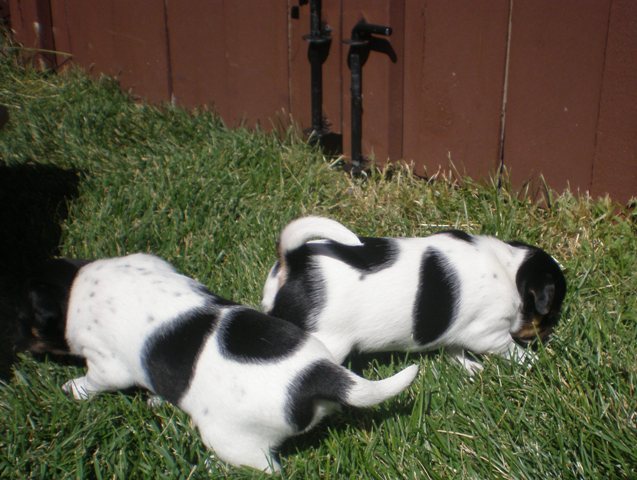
(361, 43)
(319, 41)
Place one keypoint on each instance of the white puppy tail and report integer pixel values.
(365, 393)
(299, 231)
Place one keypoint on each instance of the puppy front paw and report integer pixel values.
(521, 356)
(78, 388)
(471, 366)
(154, 401)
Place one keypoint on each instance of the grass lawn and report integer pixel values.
(126, 177)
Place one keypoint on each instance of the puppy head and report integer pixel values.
(41, 310)
(542, 288)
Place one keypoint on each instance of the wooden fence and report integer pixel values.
(541, 86)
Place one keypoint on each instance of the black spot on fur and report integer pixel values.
(322, 380)
(250, 336)
(459, 234)
(171, 352)
(374, 255)
(435, 306)
(303, 293)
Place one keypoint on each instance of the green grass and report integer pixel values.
(212, 201)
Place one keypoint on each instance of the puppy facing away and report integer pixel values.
(247, 380)
(451, 289)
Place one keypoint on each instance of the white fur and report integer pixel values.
(374, 312)
(299, 231)
(238, 407)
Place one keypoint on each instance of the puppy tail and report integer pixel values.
(365, 393)
(294, 235)
(314, 393)
(299, 231)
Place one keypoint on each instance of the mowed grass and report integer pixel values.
(212, 201)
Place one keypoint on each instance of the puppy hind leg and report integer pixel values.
(242, 449)
(100, 377)
(339, 347)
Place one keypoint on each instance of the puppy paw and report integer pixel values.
(154, 401)
(471, 366)
(521, 356)
(78, 388)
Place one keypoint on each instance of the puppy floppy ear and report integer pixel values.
(543, 298)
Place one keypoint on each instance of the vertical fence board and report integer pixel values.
(454, 74)
(197, 53)
(108, 37)
(31, 21)
(23, 16)
(232, 55)
(615, 165)
(557, 58)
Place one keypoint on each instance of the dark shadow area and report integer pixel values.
(356, 418)
(33, 204)
(348, 418)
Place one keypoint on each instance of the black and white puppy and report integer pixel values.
(248, 381)
(451, 289)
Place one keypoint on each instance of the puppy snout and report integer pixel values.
(531, 333)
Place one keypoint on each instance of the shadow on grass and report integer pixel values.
(356, 418)
(33, 204)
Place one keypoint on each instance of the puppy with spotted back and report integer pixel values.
(247, 380)
(453, 290)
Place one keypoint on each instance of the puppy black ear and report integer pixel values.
(543, 298)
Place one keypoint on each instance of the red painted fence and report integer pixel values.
(542, 86)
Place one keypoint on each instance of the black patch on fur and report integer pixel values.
(303, 293)
(250, 336)
(374, 255)
(541, 285)
(436, 302)
(171, 352)
(322, 380)
(459, 235)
